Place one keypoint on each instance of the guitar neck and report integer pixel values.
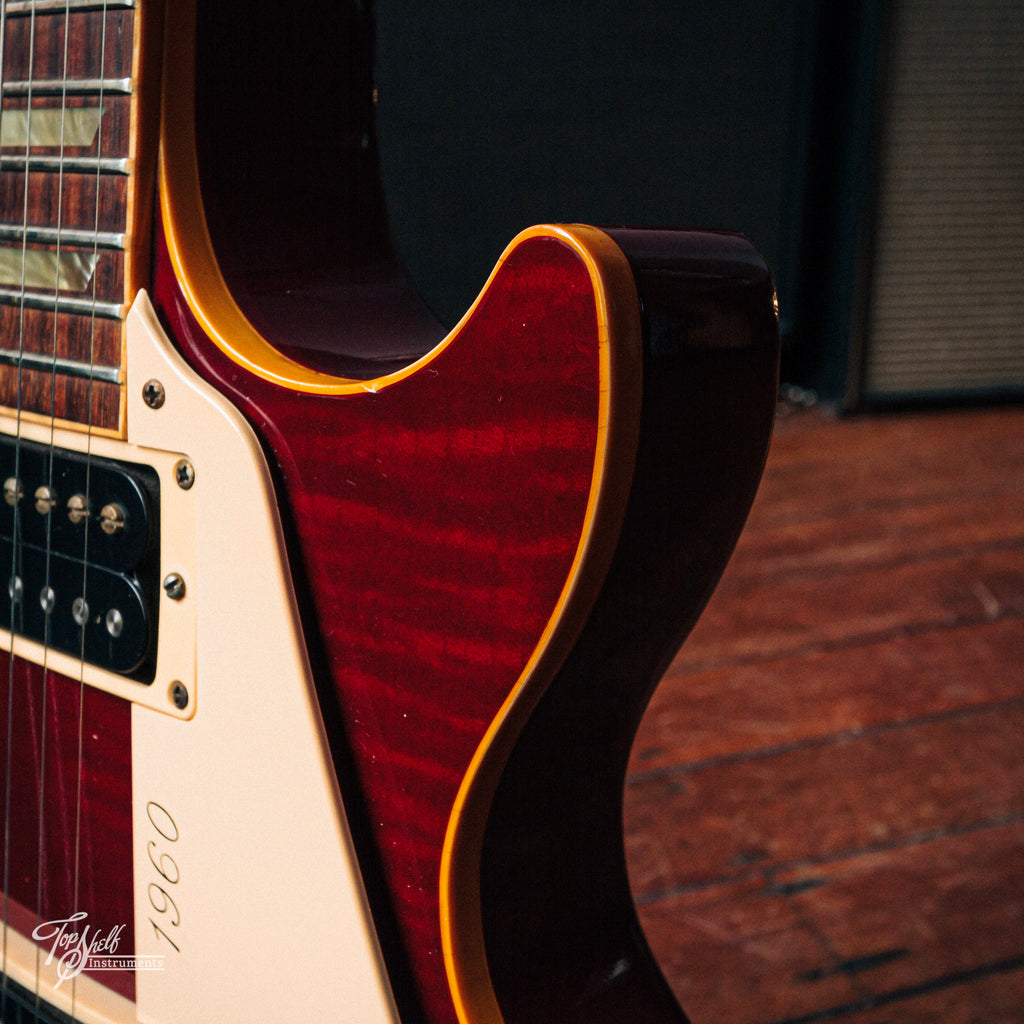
(72, 229)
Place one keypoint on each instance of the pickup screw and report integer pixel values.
(153, 394)
(80, 610)
(78, 508)
(174, 586)
(47, 599)
(16, 589)
(46, 498)
(179, 696)
(112, 520)
(185, 474)
(12, 491)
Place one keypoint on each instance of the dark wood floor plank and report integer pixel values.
(732, 957)
(994, 998)
(869, 540)
(922, 915)
(887, 787)
(774, 704)
(907, 927)
(770, 619)
(820, 467)
(886, 532)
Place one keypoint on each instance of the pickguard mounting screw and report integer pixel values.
(185, 474)
(179, 696)
(153, 394)
(174, 586)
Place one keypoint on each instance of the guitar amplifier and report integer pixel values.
(912, 281)
(945, 290)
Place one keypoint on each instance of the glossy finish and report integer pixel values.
(435, 522)
(435, 518)
(434, 525)
(288, 108)
(562, 937)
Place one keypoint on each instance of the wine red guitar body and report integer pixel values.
(415, 588)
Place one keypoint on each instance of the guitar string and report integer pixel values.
(88, 493)
(46, 595)
(10, 659)
(14, 590)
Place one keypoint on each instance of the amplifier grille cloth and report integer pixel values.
(946, 307)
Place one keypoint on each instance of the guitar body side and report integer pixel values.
(496, 549)
(403, 596)
(448, 535)
(556, 895)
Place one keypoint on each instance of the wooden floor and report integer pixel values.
(825, 808)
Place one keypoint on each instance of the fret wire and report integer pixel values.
(81, 238)
(24, 8)
(66, 367)
(83, 307)
(87, 165)
(73, 87)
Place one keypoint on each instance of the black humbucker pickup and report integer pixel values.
(79, 551)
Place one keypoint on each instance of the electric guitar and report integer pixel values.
(326, 632)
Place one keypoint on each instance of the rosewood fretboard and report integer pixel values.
(69, 209)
